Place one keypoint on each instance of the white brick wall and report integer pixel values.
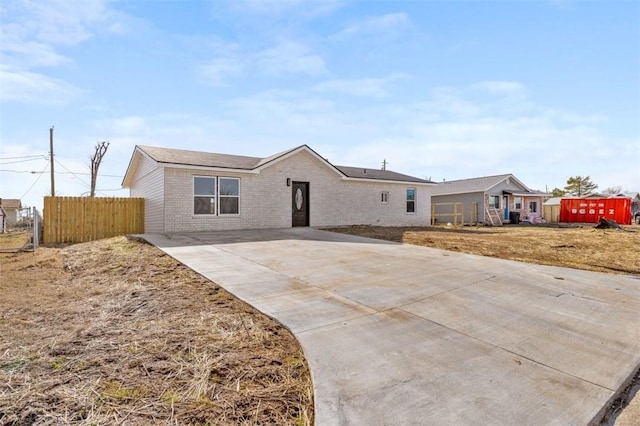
(265, 200)
(149, 183)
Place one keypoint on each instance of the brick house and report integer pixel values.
(189, 191)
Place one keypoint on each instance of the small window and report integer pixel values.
(494, 201)
(518, 203)
(229, 193)
(384, 197)
(204, 195)
(411, 200)
(533, 207)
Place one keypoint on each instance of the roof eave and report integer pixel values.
(387, 181)
(208, 168)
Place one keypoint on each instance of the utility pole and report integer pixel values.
(384, 164)
(53, 182)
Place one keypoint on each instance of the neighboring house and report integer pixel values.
(188, 191)
(491, 200)
(10, 211)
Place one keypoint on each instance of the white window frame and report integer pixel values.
(214, 196)
(384, 197)
(415, 197)
(535, 207)
(517, 202)
(219, 204)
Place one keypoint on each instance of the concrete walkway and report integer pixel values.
(397, 334)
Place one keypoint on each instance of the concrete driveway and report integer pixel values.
(398, 334)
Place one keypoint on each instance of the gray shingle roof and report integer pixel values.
(362, 173)
(239, 162)
(480, 184)
(197, 158)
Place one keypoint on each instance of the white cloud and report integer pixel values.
(34, 88)
(289, 57)
(366, 87)
(32, 33)
(383, 24)
(216, 72)
(279, 8)
(28, 53)
(63, 22)
(284, 58)
(500, 87)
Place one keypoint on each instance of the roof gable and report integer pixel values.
(479, 184)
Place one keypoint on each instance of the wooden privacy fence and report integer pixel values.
(80, 219)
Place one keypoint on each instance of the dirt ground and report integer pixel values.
(116, 332)
(614, 251)
(579, 247)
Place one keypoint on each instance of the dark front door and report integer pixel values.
(300, 203)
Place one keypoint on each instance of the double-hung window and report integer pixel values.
(216, 195)
(518, 202)
(229, 195)
(533, 206)
(494, 201)
(204, 195)
(411, 200)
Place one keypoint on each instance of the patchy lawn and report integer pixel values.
(603, 250)
(115, 331)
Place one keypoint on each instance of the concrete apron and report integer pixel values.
(398, 334)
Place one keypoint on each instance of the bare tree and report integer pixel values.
(96, 159)
(613, 190)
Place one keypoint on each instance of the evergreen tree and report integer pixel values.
(580, 186)
(557, 192)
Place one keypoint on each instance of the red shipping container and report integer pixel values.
(590, 210)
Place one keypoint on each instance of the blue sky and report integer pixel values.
(440, 89)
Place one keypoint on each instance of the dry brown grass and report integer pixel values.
(14, 240)
(583, 247)
(114, 332)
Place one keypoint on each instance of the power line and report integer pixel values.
(19, 171)
(71, 173)
(58, 173)
(36, 181)
(20, 158)
(24, 161)
(75, 175)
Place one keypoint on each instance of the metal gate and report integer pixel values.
(20, 229)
